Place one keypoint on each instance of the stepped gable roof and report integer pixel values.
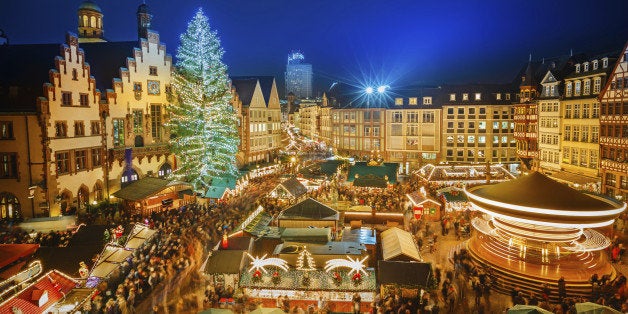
(23, 71)
(105, 60)
(539, 191)
(265, 84)
(309, 209)
(245, 87)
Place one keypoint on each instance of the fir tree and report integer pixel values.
(203, 122)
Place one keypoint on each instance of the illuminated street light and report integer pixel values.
(369, 90)
(382, 88)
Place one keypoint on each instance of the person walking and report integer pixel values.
(356, 303)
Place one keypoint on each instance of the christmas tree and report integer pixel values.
(203, 122)
(305, 261)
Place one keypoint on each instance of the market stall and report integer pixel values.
(154, 194)
(138, 236)
(308, 213)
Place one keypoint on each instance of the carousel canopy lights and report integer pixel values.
(356, 266)
(260, 263)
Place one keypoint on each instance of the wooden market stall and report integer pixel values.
(425, 206)
(154, 194)
(309, 213)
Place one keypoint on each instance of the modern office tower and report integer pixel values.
(298, 76)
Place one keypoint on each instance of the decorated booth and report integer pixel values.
(154, 194)
(424, 206)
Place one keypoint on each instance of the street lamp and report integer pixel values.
(369, 90)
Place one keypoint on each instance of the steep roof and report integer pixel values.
(225, 262)
(404, 273)
(55, 283)
(105, 60)
(309, 209)
(143, 188)
(399, 245)
(294, 187)
(27, 68)
(245, 87)
(265, 83)
(363, 169)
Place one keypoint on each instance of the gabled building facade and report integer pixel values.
(549, 123)
(614, 130)
(256, 100)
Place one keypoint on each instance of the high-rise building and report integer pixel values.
(298, 76)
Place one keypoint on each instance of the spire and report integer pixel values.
(571, 52)
(530, 59)
(143, 20)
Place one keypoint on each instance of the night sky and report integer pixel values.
(399, 43)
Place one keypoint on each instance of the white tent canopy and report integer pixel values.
(109, 260)
(140, 234)
(398, 244)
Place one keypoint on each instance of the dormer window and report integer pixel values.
(465, 97)
(577, 68)
(498, 96)
(427, 101)
(412, 101)
(552, 90)
(507, 96)
(595, 65)
(478, 96)
(605, 63)
(586, 66)
(568, 89)
(398, 101)
(452, 97)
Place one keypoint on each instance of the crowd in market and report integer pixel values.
(11, 234)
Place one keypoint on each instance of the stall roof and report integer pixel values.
(329, 248)
(216, 192)
(138, 235)
(309, 209)
(319, 235)
(293, 186)
(145, 187)
(453, 194)
(404, 273)
(362, 169)
(225, 262)
(10, 253)
(417, 198)
(110, 259)
(57, 285)
(398, 244)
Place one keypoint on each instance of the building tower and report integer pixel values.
(143, 20)
(90, 23)
(298, 76)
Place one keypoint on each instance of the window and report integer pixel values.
(61, 129)
(593, 159)
(84, 100)
(460, 110)
(8, 165)
(398, 101)
(367, 131)
(376, 131)
(577, 68)
(567, 133)
(79, 128)
(152, 70)
(450, 139)
(452, 97)
(577, 88)
(95, 128)
(575, 136)
(471, 139)
(450, 125)
(568, 89)
(137, 87)
(576, 111)
(6, 130)
(594, 65)
(396, 130)
(595, 134)
(498, 96)
(412, 101)
(96, 157)
(495, 139)
(80, 159)
(118, 132)
(482, 125)
(66, 98)
(605, 63)
(155, 120)
(495, 125)
(585, 134)
(376, 116)
(586, 111)
(597, 85)
(478, 96)
(427, 100)
(504, 125)
(460, 139)
(587, 87)
(585, 66)
(63, 162)
(138, 126)
(507, 96)
(482, 110)
(428, 117)
(583, 157)
(165, 170)
(595, 113)
(397, 117)
(482, 139)
(412, 130)
(568, 111)
(413, 117)
(465, 97)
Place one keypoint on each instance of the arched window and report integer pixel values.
(165, 170)
(82, 197)
(92, 21)
(99, 22)
(9, 206)
(98, 194)
(85, 23)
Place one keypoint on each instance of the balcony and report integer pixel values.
(139, 152)
(613, 165)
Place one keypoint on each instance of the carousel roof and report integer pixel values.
(536, 198)
(309, 209)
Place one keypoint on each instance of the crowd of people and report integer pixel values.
(12, 234)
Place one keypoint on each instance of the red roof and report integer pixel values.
(10, 253)
(56, 283)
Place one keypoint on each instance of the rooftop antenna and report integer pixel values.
(571, 52)
(530, 59)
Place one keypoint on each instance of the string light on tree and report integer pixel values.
(305, 261)
(202, 123)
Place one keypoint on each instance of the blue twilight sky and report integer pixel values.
(395, 42)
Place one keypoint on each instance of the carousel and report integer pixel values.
(534, 230)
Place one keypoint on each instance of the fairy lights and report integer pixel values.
(260, 263)
(356, 266)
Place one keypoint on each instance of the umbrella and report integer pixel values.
(527, 309)
(594, 308)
